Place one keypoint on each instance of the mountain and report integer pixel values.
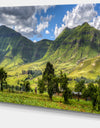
(71, 48)
(75, 45)
(16, 49)
(41, 48)
(75, 51)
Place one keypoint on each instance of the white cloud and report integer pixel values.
(96, 22)
(42, 26)
(47, 32)
(23, 19)
(80, 14)
(48, 18)
(58, 30)
(44, 23)
(34, 41)
(45, 8)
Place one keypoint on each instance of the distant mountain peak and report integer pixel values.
(44, 40)
(67, 28)
(7, 31)
(85, 24)
(4, 27)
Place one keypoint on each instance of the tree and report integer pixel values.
(63, 81)
(64, 86)
(21, 83)
(91, 91)
(79, 87)
(50, 89)
(41, 86)
(98, 82)
(94, 100)
(67, 94)
(12, 87)
(98, 95)
(85, 93)
(48, 76)
(56, 82)
(24, 85)
(27, 86)
(98, 99)
(6, 85)
(9, 87)
(49, 81)
(53, 86)
(94, 93)
(3, 76)
(49, 70)
(17, 88)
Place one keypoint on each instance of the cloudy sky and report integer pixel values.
(47, 22)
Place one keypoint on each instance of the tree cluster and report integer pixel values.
(90, 91)
(53, 84)
(24, 84)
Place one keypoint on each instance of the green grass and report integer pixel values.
(89, 68)
(44, 101)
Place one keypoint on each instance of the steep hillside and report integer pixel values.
(75, 45)
(17, 50)
(41, 48)
(12, 44)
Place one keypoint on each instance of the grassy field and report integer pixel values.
(88, 68)
(15, 72)
(44, 101)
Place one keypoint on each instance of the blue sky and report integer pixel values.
(58, 12)
(47, 22)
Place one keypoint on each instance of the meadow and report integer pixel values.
(44, 101)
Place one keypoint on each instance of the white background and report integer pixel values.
(19, 116)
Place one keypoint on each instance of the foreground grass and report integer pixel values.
(44, 101)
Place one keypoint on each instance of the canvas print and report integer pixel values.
(50, 56)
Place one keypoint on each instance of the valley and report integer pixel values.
(75, 52)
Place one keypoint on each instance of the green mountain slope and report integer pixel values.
(75, 44)
(75, 51)
(89, 68)
(15, 49)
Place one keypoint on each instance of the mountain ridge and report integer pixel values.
(80, 42)
(15, 48)
(71, 47)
